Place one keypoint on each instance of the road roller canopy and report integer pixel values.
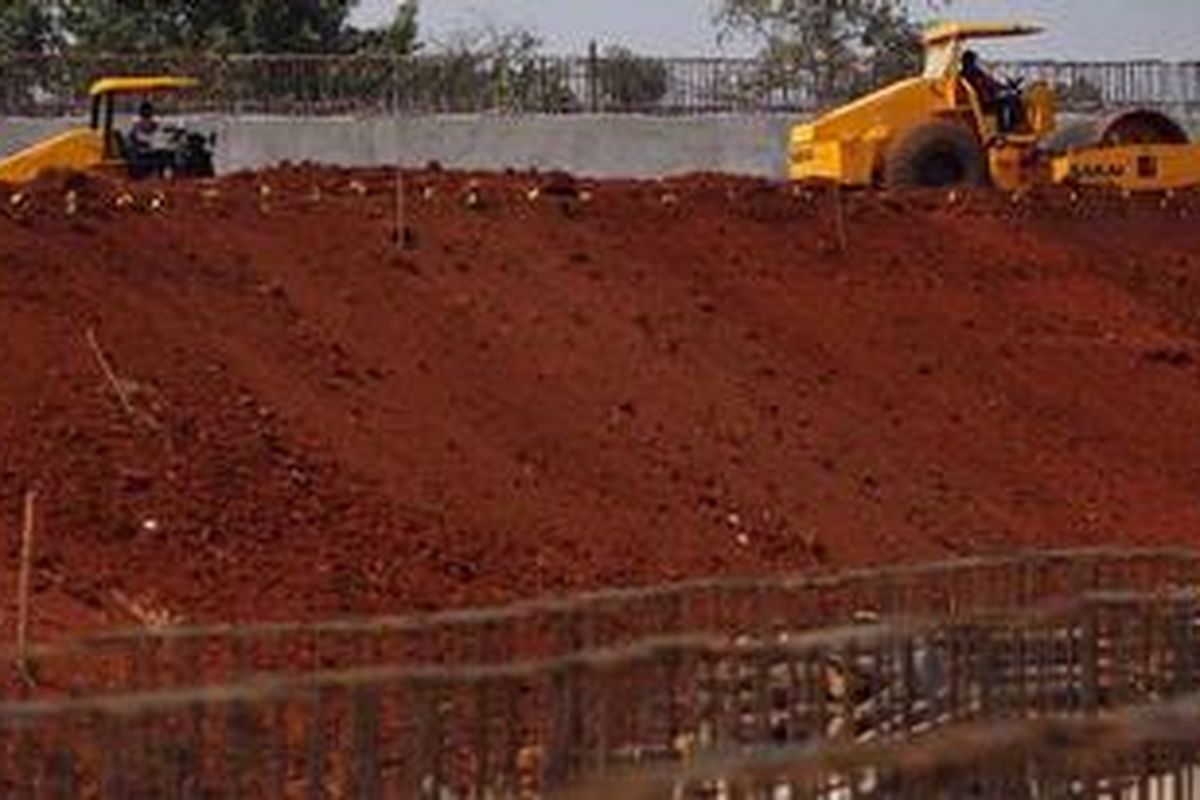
(960, 31)
(944, 44)
(140, 85)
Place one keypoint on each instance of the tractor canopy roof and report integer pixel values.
(956, 31)
(140, 85)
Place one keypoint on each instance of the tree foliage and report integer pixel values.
(398, 37)
(27, 26)
(629, 81)
(491, 67)
(834, 48)
(166, 26)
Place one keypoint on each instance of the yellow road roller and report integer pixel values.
(956, 125)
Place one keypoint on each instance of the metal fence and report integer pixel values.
(318, 85)
(707, 689)
(463, 83)
(1091, 86)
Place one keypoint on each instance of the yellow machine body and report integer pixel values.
(79, 149)
(847, 144)
(90, 147)
(851, 145)
(1144, 167)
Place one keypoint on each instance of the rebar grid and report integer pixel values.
(178, 657)
(1149, 752)
(546, 726)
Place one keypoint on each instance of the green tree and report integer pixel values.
(399, 37)
(127, 26)
(27, 26)
(631, 82)
(259, 26)
(490, 68)
(168, 35)
(292, 26)
(831, 49)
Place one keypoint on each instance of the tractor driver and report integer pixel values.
(144, 133)
(994, 96)
(150, 153)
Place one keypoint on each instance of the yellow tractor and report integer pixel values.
(944, 128)
(102, 146)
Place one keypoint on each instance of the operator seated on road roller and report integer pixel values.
(150, 151)
(995, 97)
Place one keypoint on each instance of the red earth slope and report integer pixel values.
(557, 385)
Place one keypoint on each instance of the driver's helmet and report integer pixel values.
(146, 110)
(970, 60)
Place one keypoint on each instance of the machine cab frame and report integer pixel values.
(944, 44)
(944, 48)
(104, 94)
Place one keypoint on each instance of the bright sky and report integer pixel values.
(1079, 29)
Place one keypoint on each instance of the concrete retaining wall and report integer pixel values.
(599, 145)
(603, 146)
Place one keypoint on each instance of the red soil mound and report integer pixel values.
(586, 384)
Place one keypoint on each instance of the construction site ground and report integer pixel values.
(266, 398)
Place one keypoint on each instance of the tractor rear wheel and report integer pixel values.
(936, 154)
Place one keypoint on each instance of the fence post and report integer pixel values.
(500, 78)
(543, 84)
(593, 77)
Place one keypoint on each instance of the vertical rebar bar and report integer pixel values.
(365, 743)
(316, 747)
